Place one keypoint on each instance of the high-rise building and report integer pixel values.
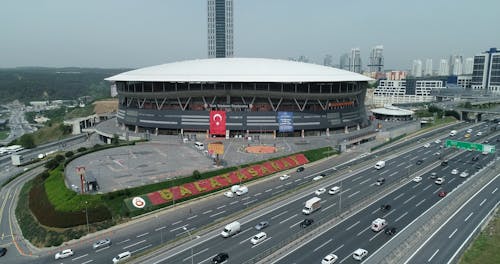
(355, 60)
(428, 67)
(328, 60)
(457, 67)
(486, 71)
(344, 62)
(469, 63)
(376, 59)
(220, 28)
(444, 69)
(416, 69)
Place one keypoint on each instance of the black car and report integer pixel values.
(299, 169)
(385, 207)
(3, 251)
(390, 231)
(419, 162)
(307, 222)
(219, 258)
(475, 158)
(444, 163)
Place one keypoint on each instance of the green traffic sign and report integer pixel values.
(469, 145)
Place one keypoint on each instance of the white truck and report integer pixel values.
(242, 190)
(378, 224)
(231, 229)
(312, 205)
(379, 165)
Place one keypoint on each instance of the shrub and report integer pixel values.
(69, 154)
(196, 174)
(81, 149)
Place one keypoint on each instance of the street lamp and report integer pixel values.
(87, 217)
(191, 239)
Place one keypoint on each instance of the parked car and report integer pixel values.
(299, 169)
(439, 181)
(64, 254)
(390, 231)
(437, 141)
(417, 179)
(262, 225)
(359, 254)
(219, 258)
(307, 222)
(329, 259)
(380, 181)
(479, 133)
(284, 177)
(320, 191)
(102, 243)
(442, 193)
(334, 190)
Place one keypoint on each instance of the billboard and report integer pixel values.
(285, 121)
(217, 122)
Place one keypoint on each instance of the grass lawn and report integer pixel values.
(4, 134)
(486, 247)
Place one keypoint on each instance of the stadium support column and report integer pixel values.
(346, 130)
(182, 131)
(274, 134)
(156, 131)
(302, 133)
(357, 127)
(227, 133)
(208, 133)
(136, 129)
(327, 131)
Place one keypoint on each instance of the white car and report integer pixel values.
(317, 178)
(437, 154)
(479, 133)
(258, 238)
(464, 174)
(229, 194)
(426, 145)
(329, 259)
(64, 254)
(417, 179)
(122, 256)
(334, 190)
(284, 177)
(359, 254)
(454, 171)
(320, 191)
(437, 141)
(469, 130)
(439, 181)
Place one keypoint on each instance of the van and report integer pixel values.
(312, 205)
(122, 256)
(199, 145)
(242, 190)
(378, 224)
(453, 133)
(235, 188)
(380, 165)
(231, 229)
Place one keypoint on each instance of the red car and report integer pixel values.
(442, 194)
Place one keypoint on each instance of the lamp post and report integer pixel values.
(191, 239)
(87, 217)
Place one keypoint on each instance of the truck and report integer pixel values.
(379, 165)
(242, 190)
(231, 229)
(378, 224)
(312, 205)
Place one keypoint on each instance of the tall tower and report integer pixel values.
(220, 28)
(428, 67)
(344, 62)
(469, 64)
(376, 59)
(355, 60)
(444, 68)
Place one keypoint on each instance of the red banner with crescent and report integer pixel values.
(217, 122)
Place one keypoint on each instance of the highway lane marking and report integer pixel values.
(494, 190)
(245, 240)
(124, 241)
(416, 185)
(296, 224)
(451, 235)
(328, 207)
(246, 198)
(279, 186)
(390, 212)
(406, 167)
(160, 228)
(77, 258)
(256, 245)
(295, 215)
(197, 253)
(384, 172)
(346, 190)
(481, 204)
(376, 210)
(337, 249)
(365, 181)
(178, 222)
(467, 218)
(101, 249)
(135, 244)
(221, 212)
(209, 258)
(391, 162)
(249, 202)
(351, 195)
(413, 158)
(322, 245)
(403, 215)
(141, 235)
(427, 152)
(437, 190)
(429, 260)
(443, 169)
(180, 227)
(425, 189)
(419, 203)
(139, 249)
(88, 261)
(400, 164)
(309, 176)
(344, 259)
(207, 212)
(299, 179)
(220, 207)
(192, 217)
(399, 196)
(377, 234)
(288, 183)
(452, 180)
(353, 225)
(394, 173)
(235, 202)
(268, 190)
(181, 233)
(278, 215)
(409, 199)
(243, 232)
(355, 179)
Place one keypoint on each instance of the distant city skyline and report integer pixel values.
(132, 34)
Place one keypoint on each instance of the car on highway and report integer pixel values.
(359, 254)
(442, 193)
(469, 130)
(426, 145)
(385, 207)
(64, 254)
(229, 194)
(3, 251)
(433, 175)
(390, 231)
(419, 162)
(101, 243)
(439, 181)
(219, 258)
(417, 179)
(437, 153)
(329, 259)
(444, 163)
(380, 181)
(334, 190)
(317, 178)
(284, 177)
(437, 141)
(475, 158)
(479, 133)
(467, 135)
(261, 225)
(306, 222)
(454, 171)
(258, 238)
(464, 174)
(320, 191)
(299, 169)
(122, 256)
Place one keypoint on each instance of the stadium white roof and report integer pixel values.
(390, 110)
(239, 70)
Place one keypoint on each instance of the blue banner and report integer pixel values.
(285, 121)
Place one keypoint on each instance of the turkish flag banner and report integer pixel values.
(217, 122)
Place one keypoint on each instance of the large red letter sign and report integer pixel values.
(217, 122)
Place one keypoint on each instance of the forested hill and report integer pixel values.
(36, 84)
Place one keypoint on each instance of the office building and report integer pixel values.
(457, 67)
(444, 69)
(469, 63)
(328, 61)
(355, 60)
(428, 67)
(220, 28)
(486, 71)
(344, 62)
(416, 69)
(376, 59)
(409, 90)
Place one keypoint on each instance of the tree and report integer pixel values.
(27, 141)
(196, 174)
(115, 140)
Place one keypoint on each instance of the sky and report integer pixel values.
(140, 33)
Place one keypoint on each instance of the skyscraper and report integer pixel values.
(457, 67)
(416, 69)
(328, 60)
(469, 63)
(355, 60)
(376, 59)
(344, 62)
(220, 28)
(486, 71)
(444, 69)
(428, 67)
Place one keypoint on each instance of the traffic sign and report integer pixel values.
(469, 145)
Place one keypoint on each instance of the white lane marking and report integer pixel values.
(400, 164)
(295, 224)
(406, 167)
(268, 190)
(160, 228)
(419, 203)
(365, 181)
(207, 212)
(399, 196)
(414, 158)
(322, 245)
(297, 180)
(427, 152)
(178, 222)
(245, 240)
(197, 253)
(429, 260)
(384, 172)
(346, 190)
(344, 259)
(281, 222)
(101, 249)
(355, 179)
(77, 258)
(235, 202)
(467, 218)
(139, 249)
(249, 202)
(124, 241)
(452, 180)
(437, 190)
(278, 215)
(256, 245)
(180, 227)
(341, 246)
(373, 237)
(481, 204)
(216, 214)
(279, 186)
(288, 183)
(403, 215)
(494, 190)
(220, 207)
(409, 199)
(88, 261)
(394, 173)
(243, 232)
(246, 198)
(416, 185)
(376, 210)
(425, 189)
(351, 195)
(451, 235)
(135, 244)
(192, 217)
(328, 207)
(392, 211)
(353, 225)
(363, 231)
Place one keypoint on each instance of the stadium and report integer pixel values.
(240, 96)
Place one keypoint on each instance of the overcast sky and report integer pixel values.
(126, 33)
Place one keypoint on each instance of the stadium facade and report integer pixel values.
(255, 96)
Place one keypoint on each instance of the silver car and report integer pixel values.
(102, 243)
